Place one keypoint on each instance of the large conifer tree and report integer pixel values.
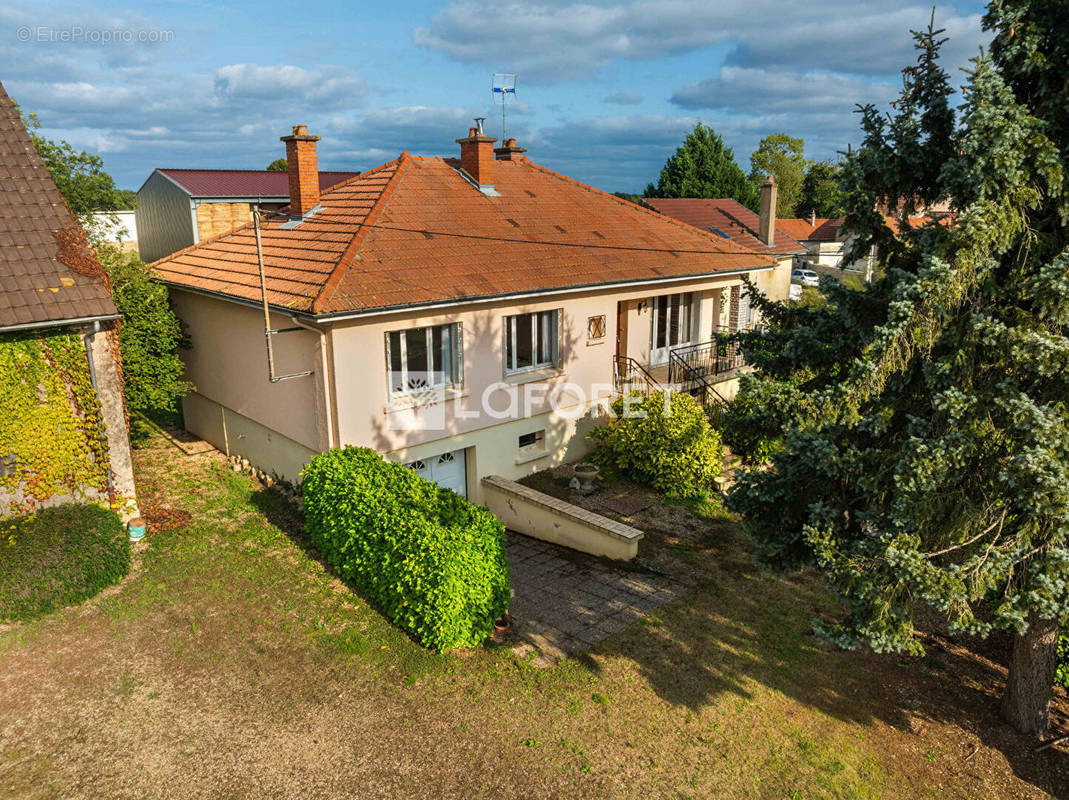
(703, 166)
(921, 423)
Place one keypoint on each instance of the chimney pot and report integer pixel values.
(303, 168)
(768, 211)
(509, 151)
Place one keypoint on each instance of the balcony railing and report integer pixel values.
(630, 377)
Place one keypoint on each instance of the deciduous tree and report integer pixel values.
(782, 157)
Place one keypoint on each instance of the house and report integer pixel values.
(115, 227)
(761, 233)
(180, 207)
(63, 436)
(465, 316)
(825, 242)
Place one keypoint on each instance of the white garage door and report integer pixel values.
(447, 470)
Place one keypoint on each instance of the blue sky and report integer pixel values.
(606, 90)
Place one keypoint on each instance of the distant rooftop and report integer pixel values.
(244, 182)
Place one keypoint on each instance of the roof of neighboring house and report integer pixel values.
(48, 275)
(806, 230)
(243, 182)
(415, 232)
(728, 218)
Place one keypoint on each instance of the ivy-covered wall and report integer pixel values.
(52, 441)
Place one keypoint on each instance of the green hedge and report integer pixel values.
(677, 453)
(433, 562)
(59, 556)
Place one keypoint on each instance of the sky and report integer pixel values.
(605, 91)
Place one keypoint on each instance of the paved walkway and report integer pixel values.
(566, 602)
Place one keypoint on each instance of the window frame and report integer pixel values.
(456, 348)
(510, 327)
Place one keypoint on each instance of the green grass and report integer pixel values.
(58, 557)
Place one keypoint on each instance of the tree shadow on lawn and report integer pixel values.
(745, 629)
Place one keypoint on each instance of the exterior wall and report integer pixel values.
(217, 218)
(104, 346)
(237, 434)
(227, 364)
(777, 284)
(164, 218)
(536, 514)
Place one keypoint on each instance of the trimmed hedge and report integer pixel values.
(432, 562)
(58, 557)
(678, 453)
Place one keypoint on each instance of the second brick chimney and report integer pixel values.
(768, 211)
(510, 151)
(477, 157)
(303, 168)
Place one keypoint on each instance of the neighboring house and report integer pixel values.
(116, 227)
(761, 233)
(180, 207)
(52, 293)
(463, 316)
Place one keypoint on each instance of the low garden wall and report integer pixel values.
(541, 516)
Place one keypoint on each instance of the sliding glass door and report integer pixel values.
(674, 324)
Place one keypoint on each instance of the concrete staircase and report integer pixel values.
(731, 464)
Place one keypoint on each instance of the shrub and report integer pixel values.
(432, 562)
(150, 337)
(59, 556)
(678, 454)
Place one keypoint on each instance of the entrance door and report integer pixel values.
(447, 470)
(673, 324)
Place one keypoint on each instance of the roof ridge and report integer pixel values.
(346, 258)
(717, 240)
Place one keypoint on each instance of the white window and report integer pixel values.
(533, 441)
(419, 359)
(532, 341)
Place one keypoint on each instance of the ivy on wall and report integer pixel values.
(51, 433)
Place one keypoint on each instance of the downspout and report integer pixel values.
(88, 341)
(325, 372)
(268, 330)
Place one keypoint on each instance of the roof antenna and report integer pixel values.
(503, 84)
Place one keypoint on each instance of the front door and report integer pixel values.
(672, 324)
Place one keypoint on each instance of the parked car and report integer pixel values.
(806, 277)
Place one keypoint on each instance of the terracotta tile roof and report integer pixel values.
(414, 231)
(731, 218)
(37, 230)
(244, 182)
(799, 229)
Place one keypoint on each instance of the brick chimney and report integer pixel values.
(510, 151)
(303, 168)
(477, 156)
(768, 211)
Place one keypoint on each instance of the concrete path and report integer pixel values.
(566, 602)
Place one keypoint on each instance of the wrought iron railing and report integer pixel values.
(693, 380)
(631, 377)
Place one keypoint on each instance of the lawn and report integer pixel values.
(230, 664)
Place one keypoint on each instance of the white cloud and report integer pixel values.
(624, 98)
(548, 42)
(330, 86)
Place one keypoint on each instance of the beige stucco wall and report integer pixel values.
(227, 364)
(776, 284)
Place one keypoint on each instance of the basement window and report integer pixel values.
(422, 359)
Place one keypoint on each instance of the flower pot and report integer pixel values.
(586, 473)
(135, 529)
(501, 627)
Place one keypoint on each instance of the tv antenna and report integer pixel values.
(502, 85)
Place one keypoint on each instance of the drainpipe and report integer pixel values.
(88, 341)
(325, 371)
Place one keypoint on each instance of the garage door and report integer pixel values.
(447, 470)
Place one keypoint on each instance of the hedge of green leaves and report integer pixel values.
(678, 453)
(432, 562)
(59, 556)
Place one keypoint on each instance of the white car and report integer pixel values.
(806, 277)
